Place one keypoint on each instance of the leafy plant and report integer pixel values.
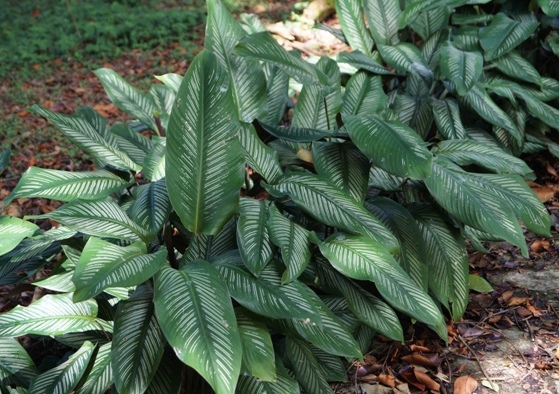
(265, 255)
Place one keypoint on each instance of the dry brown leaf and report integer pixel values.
(427, 360)
(506, 295)
(411, 379)
(465, 385)
(557, 353)
(426, 380)
(544, 193)
(551, 170)
(387, 380)
(539, 245)
(516, 301)
(419, 348)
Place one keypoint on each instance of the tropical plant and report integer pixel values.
(263, 249)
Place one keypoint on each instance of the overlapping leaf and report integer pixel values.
(515, 65)
(100, 378)
(364, 95)
(151, 208)
(12, 231)
(361, 61)
(460, 67)
(285, 384)
(306, 367)
(260, 157)
(350, 14)
(382, 17)
(504, 34)
(16, 367)
(447, 118)
(154, 162)
(405, 57)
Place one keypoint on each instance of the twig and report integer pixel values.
(476, 357)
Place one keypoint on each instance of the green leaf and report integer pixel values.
(100, 379)
(58, 282)
(50, 315)
(549, 7)
(330, 205)
(432, 21)
(460, 67)
(151, 208)
(138, 342)
(204, 161)
(391, 145)
(414, 8)
(446, 258)
(64, 378)
(154, 163)
(261, 295)
(263, 47)
(258, 350)
(128, 99)
(277, 94)
(12, 231)
(447, 118)
(132, 142)
(168, 378)
(163, 98)
(171, 80)
(252, 235)
(465, 197)
(293, 241)
(350, 15)
(466, 151)
(405, 57)
(5, 160)
(284, 384)
(258, 155)
(478, 99)
(544, 112)
(412, 257)
(208, 246)
(16, 367)
(296, 134)
(99, 218)
(382, 18)
(504, 34)
(197, 318)
(364, 95)
(361, 61)
(344, 165)
(516, 66)
(332, 367)
(361, 258)
(306, 367)
(103, 264)
(66, 185)
(479, 284)
(247, 81)
(414, 111)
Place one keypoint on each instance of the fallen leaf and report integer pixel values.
(544, 193)
(387, 380)
(490, 385)
(419, 348)
(551, 170)
(539, 245)
(428, 359)
(516, 301)
(426, 380)
(465, 385)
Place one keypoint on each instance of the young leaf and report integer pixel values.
(50, 315)
(350, 14)
(293, 241)
(66, 185)
(277, 94)
(154, 163)
(258, 155)
(64, 377)
(462, 68)
(382, 17)
(103, 264)
(306, 367)
(100, 379)
(127, 98)
(504, 34)
(152, 207)
(252, 235)
(204, 160)
(171, 80)
(16, 367)
(329, 204)
(479, 284)
(364, 95)
(197, 318)
(138, 341)
(361, 258)
(447, 118)
(391, 146)
(13, 231)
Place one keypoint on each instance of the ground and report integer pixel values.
(508, 339)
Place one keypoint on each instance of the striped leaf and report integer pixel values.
(208, 246)
(405, 57)
(12, 231)
(306, 367)
(163, 99)
(504, 34)
(128, 99)
(5, 158)
(64, 378)
(350, 15)
(171, 80)
(138, 342)
(332, 367)
(415, 111)
(277, 94)
(252, 235)
(361, 258)
(263, 47)
(262, 295)
(361, 61)
(344, 165)
(82, 134)
(61, 282)
(151, 208)
(293, 241)
(98, 218)
(258, 350)
(478, 99)
(197, 318)
(414, 8)
(432, 21)
(465, 197)
(382, 17)
(204, 160)
(462, 68)
(447, 118)
(103, 264)
(50, 315)
(412, 257)
(466, 151)
(134, 144)
(260, 157)
(549, 7)
(382, 180)
(247, 81)
(296, 134)
(66, 185)
(154, 163)
(364, 95)
(168, 378)
(329, 204)
(544, 112)
(370, 310)
(16, 367)
(284, 384)
(447, 260)
(100, 378)
(391, 145)
(516, 66)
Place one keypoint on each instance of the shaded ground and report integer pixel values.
(508, 339)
